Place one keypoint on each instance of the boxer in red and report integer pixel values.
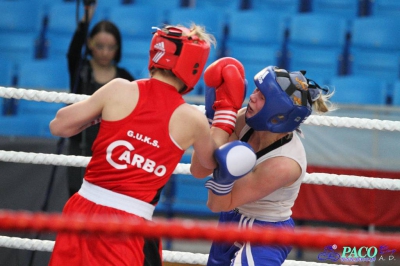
(145, 128)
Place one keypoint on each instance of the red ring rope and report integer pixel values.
(301, 237)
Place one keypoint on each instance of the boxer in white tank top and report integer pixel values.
(281, 102)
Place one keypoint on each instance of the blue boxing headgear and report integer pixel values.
(287, 100)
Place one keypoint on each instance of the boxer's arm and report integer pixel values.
(267, 177)
(74, 118)
(215, 135)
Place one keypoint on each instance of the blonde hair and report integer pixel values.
(197, 30)
(200, 32)
(322, 104)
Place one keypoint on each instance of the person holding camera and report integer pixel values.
(88, 73)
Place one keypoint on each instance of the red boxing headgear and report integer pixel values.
(185, 56)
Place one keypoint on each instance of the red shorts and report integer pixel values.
(99, 249)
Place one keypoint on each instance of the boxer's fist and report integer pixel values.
(235, 160)
(227, 77)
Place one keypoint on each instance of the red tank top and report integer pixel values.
(135, 156)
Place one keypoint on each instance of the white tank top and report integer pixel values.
(277, 206)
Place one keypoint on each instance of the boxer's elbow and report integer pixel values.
(200, 172)
(201, 169)
(57, 128)
(54, 128)
(218, 204)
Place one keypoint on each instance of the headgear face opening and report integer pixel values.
(287, 100)
(185, 56)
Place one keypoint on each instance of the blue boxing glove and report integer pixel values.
(235, 160)
(209, 102)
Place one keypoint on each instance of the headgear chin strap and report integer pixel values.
(184, 55)
(287, 100)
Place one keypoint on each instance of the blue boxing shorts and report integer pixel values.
(245, 254)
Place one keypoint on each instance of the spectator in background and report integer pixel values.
(88, 73)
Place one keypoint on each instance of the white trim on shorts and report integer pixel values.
(115, 200)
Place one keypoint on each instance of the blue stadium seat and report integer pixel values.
(384, 8)
(6, 73)
(382, 33)
(2, 107)
(369, 62)
(98, 2)
(357, 89)
(190, 196)
(18, 126)
(104, 7)
(62, 18)
(30, 107)
(41, 113)
(59, 32)
(317, 43)
(43, 74)
(247, 42)
(109, 3)
(162, 4)
(57, 46)
(17, 46)
(26, 126)
(376, 51)
(253, 26)
(212, 19)
(344, 8)
(184, 194)
(136, 21)
(45, 4)
(318, 30)
(396, 94)
(256, 53)
(224, 5)
(20, 16)
(290, 7)
(253, 49)
(62, 22)
(137, 66)
(320, 63)
(135, 48)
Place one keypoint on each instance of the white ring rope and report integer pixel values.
(173, 256)
(168, 256)
(26, 243)
(360, 123)
(314, 178)
(41, 95)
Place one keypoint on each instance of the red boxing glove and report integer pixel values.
(227, 76)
